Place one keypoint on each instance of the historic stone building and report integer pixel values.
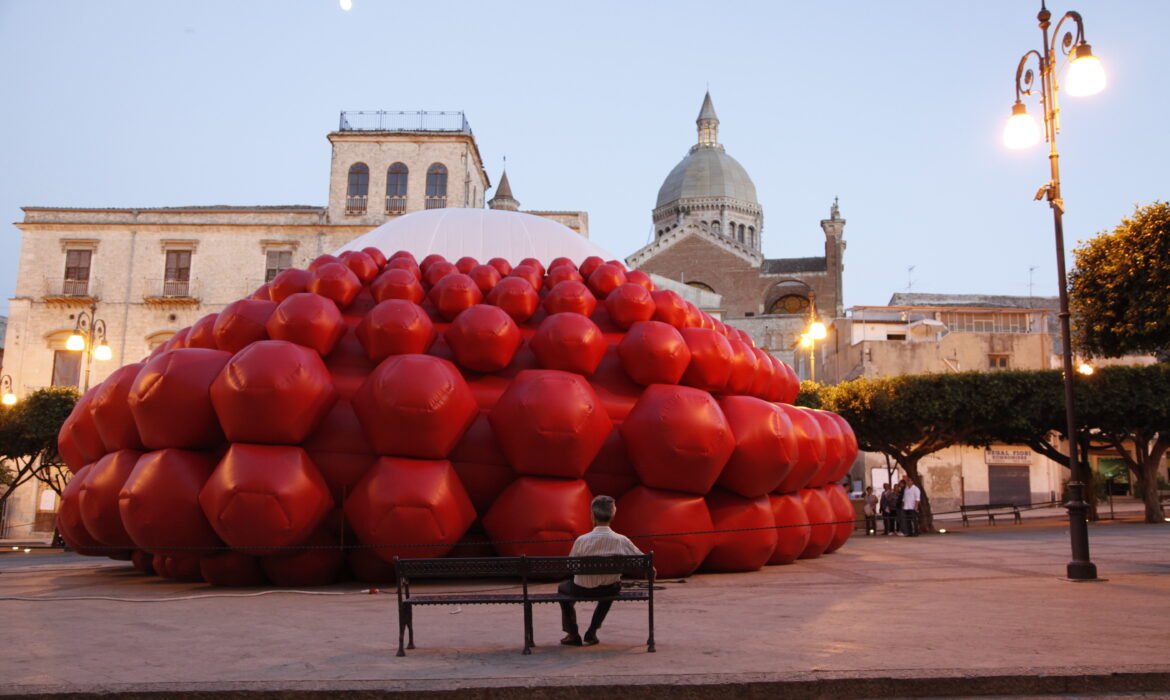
(708, 233)
(146, 273)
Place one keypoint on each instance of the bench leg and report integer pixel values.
(401, 628)
(410, 626)
(528, 643)
(650, 642)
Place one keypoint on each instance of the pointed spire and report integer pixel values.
(708, 123)
(503, 198)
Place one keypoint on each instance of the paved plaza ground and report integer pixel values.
(977, 611)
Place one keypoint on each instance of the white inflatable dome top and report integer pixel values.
(480, 233)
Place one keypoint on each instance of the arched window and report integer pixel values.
(790, 304)
(437, 186)
(358, 189)
(701, 285)
(715, 227)
(752, 236)
(396, 188)
(741, 233)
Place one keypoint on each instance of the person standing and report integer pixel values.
(601, 541)
(899, 514)
(869, 509)
(911, 499)
(886, 507)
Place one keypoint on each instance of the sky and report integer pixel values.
(895, 107)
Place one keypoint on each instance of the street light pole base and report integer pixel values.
(1082, 571)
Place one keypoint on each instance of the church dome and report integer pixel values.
(707, 172)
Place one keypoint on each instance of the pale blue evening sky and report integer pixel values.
(896, 107)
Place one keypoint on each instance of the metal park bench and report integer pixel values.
(527, 569)
(990, 510)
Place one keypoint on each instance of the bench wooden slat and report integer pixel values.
(526, 569)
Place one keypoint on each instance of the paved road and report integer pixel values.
(978, 611)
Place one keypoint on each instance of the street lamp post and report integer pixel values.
(1085, 77)
(816, 331)
(89, 336)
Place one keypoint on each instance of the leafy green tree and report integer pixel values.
(1119, 288)
(28, 439)
(908, 417)
(810, 394)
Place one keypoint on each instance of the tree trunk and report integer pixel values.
(1149, 481)
(925, 517)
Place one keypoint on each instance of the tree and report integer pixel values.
(28, 439)
(1119, 288)
(907, 417)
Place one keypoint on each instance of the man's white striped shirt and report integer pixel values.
(602, 541)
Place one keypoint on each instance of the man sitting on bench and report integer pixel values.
(602, 541)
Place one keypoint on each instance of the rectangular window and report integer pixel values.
(997, 362)
(178, 274)
(277, 262)
(66, 368)
(77, 272)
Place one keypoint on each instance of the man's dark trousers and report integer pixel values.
(911, 517)
(569, 614)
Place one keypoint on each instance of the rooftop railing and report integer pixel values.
(404, 121)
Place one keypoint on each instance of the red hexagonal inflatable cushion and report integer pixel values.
(241, 323)
(322, 260)
(234, 569)
(502, 266)
(111, 410)
(272, 392)
(534, 276)
(606, 278)
(629, 304)
(653, 352)
(397, 283)
(550, 423)
(515, 297)
(171, 399)
(765, 446)
(569, 342)
(409, 501)
(202, 334)
(287, 283)
(436, 270)
(743, 367)
(481, 465)
(98, 499)
(395, 327)
(466, 263)
(652, 519)
(539, 517)
(850, 455)
(641, 279)
(820, 518)
(262, 497)
(79, 441)
(407, 264)
(361, 264)
(562, 273)
(678, 438)
(454, 293)
(337, 282)
(415, 406)
(570, 296)
(485, 277)
(810, 449)
(843, 514)
(307, 319)
(611, 473)
(589, 264)
(792, 528)
(318, 565)
(483, 338)
(669, 308)
(159, 503)
(69, 521)
(748, 549)
(834, 448)
(710, 365)
(765, 374)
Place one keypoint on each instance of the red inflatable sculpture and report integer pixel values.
(373, 406)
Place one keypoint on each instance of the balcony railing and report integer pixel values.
(170, 291)
(404, 121)
(436, 202)
(355, 204)
(396, 205)
(57, 288)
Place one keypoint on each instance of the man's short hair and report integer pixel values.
(603, 508)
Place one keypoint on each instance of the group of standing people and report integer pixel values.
(898, 508)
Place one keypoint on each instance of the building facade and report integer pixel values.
(147, 273)
(708, 233)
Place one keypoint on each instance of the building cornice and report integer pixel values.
(668, 240)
